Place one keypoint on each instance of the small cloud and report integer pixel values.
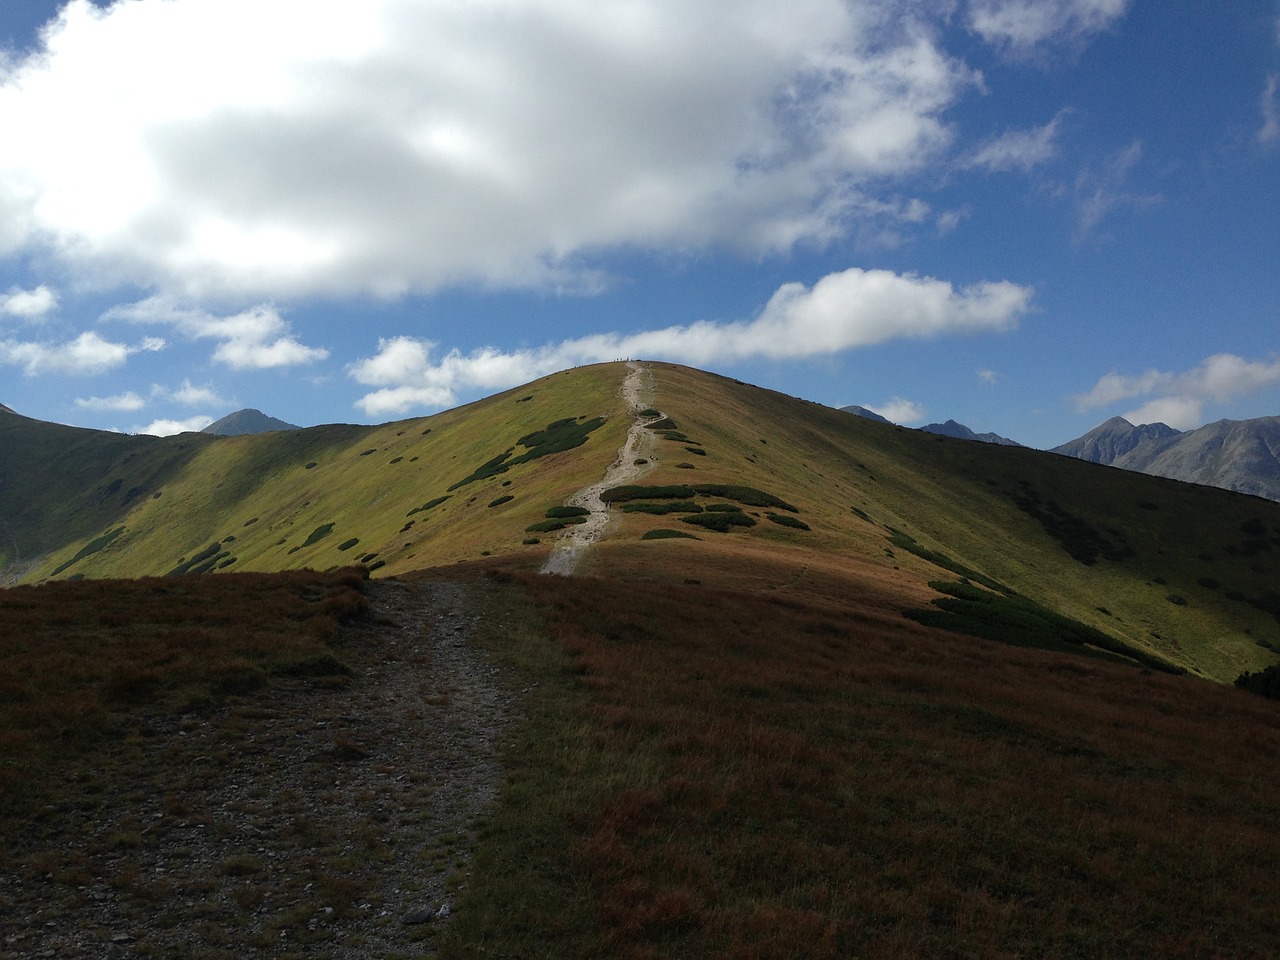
(167, 428)
(86, 354)
(1018, 149)
(28, 304)
(1022, 28)
(121, 401)
(1270, 130)
(190, 395)
(1097, 194)
(899, 410)
(988, 377)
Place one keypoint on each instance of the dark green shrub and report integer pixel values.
(92, 547)
(207, 554)
(348, 544)
(720, 522)
(666, 423)
(724, 508)
(697, 451)
(748, 495)
(555, 437)
(665, 534)
(318, 534)
(428, 505)
(635, 491)
(783, 520)
(679, 506)
(563, 512)
(548, 526)
(530, 541)
(1265, 682)
(501, 500)
(367, 452)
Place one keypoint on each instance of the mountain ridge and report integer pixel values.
(1238, 455)
(843, 506)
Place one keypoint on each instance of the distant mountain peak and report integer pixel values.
(865, 412)
(958, 430)
(247, 421)
(1240, 455)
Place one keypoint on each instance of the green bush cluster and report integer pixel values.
(1082, 541)
(318, 534)
(658, 509)
(1265, 682)
(665, 534)
(555, 437)
(787, 521)
(428, 505)
(1019, 621)
(750, 496)
(202, 562)
(563, 512)
(507, 498)
(92, 547)
(555, 523)
(907, 542)
(720, 521)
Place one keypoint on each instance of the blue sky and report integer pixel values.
(1027, 215)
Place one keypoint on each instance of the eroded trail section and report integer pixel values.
(319, 818)
(635, 458)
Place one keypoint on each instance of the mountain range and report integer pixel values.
(1240, 455)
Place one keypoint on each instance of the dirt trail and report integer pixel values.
(331, 821)
(637, 391)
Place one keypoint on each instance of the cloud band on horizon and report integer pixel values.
(842, 311)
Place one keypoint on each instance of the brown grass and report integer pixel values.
(772, 776)
(76, 657)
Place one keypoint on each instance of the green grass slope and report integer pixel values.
(398, 496)
(754, 487)
(1182, 571)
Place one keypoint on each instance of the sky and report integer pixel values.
(1025, 215)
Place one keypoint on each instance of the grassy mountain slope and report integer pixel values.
(299, 498)
(1180, 571)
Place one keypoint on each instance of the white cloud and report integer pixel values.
(122, 401)
(410, 146)
(841, 311)
(167, 428)
(989, 377)
(1270, 129)
(1099, 193)
(86, 354)
(900, 411)
(28, 304)
(1018, 149)
(254, 339)
(190, 395)
(1181, 397)
(1022, 26)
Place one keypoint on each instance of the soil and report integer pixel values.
(325, 818)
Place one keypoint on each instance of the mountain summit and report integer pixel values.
(958, 430)
(246, 421)
(1239, 455)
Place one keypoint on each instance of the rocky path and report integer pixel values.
(313, 819)
(635, 458)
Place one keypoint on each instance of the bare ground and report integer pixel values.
(310, 819)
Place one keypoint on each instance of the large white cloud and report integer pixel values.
(841, 311)
(269, 149)
(1179, 399)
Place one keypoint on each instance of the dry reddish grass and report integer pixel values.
(773, 775)
(76, 655)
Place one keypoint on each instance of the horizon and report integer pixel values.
(1028, 216)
